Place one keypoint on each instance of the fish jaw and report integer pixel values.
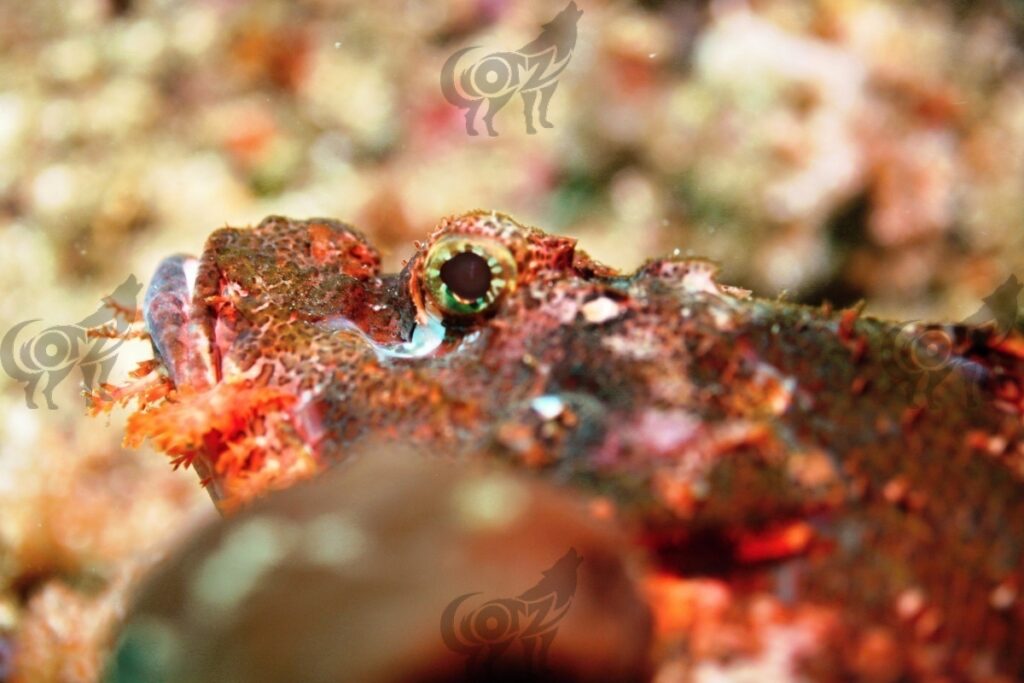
(241, 436)
(181, 331)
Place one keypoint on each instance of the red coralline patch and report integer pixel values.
(679, 603)
(728, 632)
(777, 543)
(1011, 345)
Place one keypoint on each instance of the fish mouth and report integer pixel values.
(181, 332)
(241, 434)
(241, 438)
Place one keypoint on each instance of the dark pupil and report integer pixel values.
(467, 275)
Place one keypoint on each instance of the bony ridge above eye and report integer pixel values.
(466, 275)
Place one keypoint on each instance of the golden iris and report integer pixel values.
(466, 276)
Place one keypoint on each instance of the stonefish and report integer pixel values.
(855, 484)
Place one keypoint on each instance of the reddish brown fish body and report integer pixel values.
(787, 454)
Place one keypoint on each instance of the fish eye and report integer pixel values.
(466, 276)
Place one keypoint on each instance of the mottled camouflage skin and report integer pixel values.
(781, 448)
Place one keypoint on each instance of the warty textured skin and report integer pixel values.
(786, 451)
